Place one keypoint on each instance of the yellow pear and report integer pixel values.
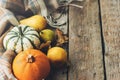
(37, 22)
(57, 56)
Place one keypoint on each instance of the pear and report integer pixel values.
(37, 22)
(47, 35)
(57, 56)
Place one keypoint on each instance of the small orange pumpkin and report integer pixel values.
(31, 64)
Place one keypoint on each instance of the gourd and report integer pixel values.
(31, 64)
(20, 38)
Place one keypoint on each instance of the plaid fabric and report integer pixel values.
(5, 71)
(10, 9)
(6, 17)
(5, 65)
(13, 5)
(22, 6)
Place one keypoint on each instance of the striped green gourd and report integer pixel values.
(20, 38)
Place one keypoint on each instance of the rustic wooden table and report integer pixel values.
(93, 42)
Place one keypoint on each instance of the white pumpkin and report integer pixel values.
(20, 38)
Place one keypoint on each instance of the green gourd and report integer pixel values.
(20, 38)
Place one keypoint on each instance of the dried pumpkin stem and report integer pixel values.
(30, 59)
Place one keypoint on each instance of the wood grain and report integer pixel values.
(85, 52)
(60, 73)
(110, 10)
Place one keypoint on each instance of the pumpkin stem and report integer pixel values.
(30, 59)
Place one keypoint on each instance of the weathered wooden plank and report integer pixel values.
(85, 52)
(60, 73)
(111, 30)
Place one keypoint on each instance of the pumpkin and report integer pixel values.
(31, 64)
(20, 38)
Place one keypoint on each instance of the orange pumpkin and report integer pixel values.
(31, 64)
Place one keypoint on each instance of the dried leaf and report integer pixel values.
(61, 38)
(46, 44)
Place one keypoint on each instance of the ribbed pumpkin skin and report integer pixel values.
(36, 70)
(20, 38)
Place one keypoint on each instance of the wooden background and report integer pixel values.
(94, 43)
